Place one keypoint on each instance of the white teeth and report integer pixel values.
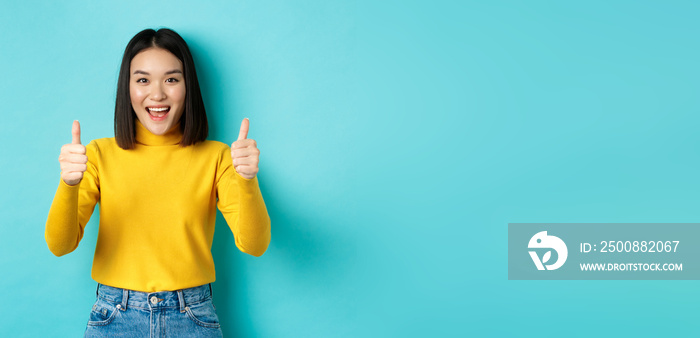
(159, 109)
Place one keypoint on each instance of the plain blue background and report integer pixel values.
(398, 141)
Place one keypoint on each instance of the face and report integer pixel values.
(157, 89)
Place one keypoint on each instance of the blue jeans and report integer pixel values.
(127, 313)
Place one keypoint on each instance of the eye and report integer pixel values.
(142, 80)
(172, 80)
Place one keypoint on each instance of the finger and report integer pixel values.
(73, 148)
(243, 134)
(247, 171)
(244, 144)
(73, 167)
(68, 177)
(72, 175)
(76, 132)
(245, 161)
(73, 158)
(245, 152)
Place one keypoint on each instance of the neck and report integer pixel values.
(145, 137)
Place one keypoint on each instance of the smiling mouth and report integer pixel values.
(158, 112)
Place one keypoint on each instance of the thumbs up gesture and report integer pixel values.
(73, 159)
(245, 153)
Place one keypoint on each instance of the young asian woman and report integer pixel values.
(158, 183)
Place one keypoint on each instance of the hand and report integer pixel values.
(245, 153)
(73, 159)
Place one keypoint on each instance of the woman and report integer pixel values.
(158, 182)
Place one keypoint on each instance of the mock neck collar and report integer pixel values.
(145, 137)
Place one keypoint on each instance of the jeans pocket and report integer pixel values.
(203, 314)
(103, 313)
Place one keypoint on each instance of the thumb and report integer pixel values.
(76, 132)
(243, 134)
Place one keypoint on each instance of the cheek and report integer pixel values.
(137, 94)
(177, 97)
(178, 94)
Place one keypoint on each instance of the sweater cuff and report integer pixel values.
(63, 187)
(244, 182)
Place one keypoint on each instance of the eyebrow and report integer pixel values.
(174, 71)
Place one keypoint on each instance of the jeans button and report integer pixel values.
(154, 300)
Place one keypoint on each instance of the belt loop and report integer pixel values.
(211, 294)
(97, 292)
(181, 298)
(125, 299)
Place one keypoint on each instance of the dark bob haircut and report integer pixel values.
(193, 122)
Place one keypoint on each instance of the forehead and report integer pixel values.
(155, 60)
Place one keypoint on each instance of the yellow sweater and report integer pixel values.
(157, 211)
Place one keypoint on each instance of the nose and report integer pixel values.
(158, 94)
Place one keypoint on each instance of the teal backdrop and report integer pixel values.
(398, 140)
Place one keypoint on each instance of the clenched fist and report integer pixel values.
(73, 159)
(245, 153)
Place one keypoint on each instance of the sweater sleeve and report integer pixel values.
(243, 207)
(72, 207)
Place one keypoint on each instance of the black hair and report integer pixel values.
(193, 122)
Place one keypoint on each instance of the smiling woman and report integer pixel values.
(158, 182)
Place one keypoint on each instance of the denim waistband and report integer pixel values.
(150, 300)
